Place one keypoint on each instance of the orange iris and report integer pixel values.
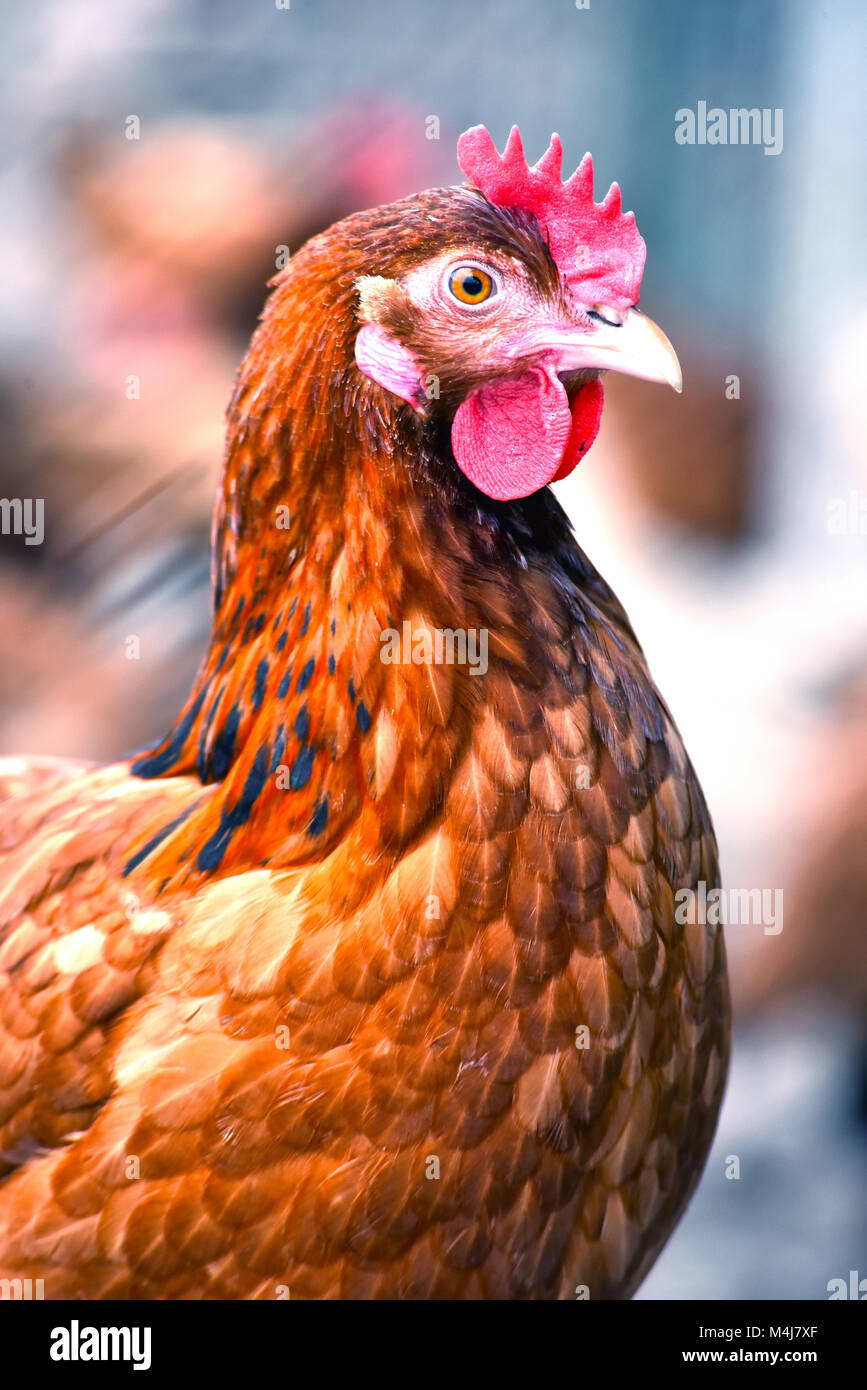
(470, 284)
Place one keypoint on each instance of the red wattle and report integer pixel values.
(508, 437)
(586, 419)
(513, 436)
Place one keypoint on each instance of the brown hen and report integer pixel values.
(368, 982)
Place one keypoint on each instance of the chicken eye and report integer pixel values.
(471, 285)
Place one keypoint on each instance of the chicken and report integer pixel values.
(369, 981)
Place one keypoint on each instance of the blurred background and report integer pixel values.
(731, 521)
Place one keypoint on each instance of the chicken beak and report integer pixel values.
(618, 342)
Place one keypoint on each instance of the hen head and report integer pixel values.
(494, 321)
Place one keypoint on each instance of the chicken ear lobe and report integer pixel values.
(379, 353)
(388, 362)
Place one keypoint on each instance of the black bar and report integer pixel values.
(220, 1342)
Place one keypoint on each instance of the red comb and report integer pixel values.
(597, 246)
